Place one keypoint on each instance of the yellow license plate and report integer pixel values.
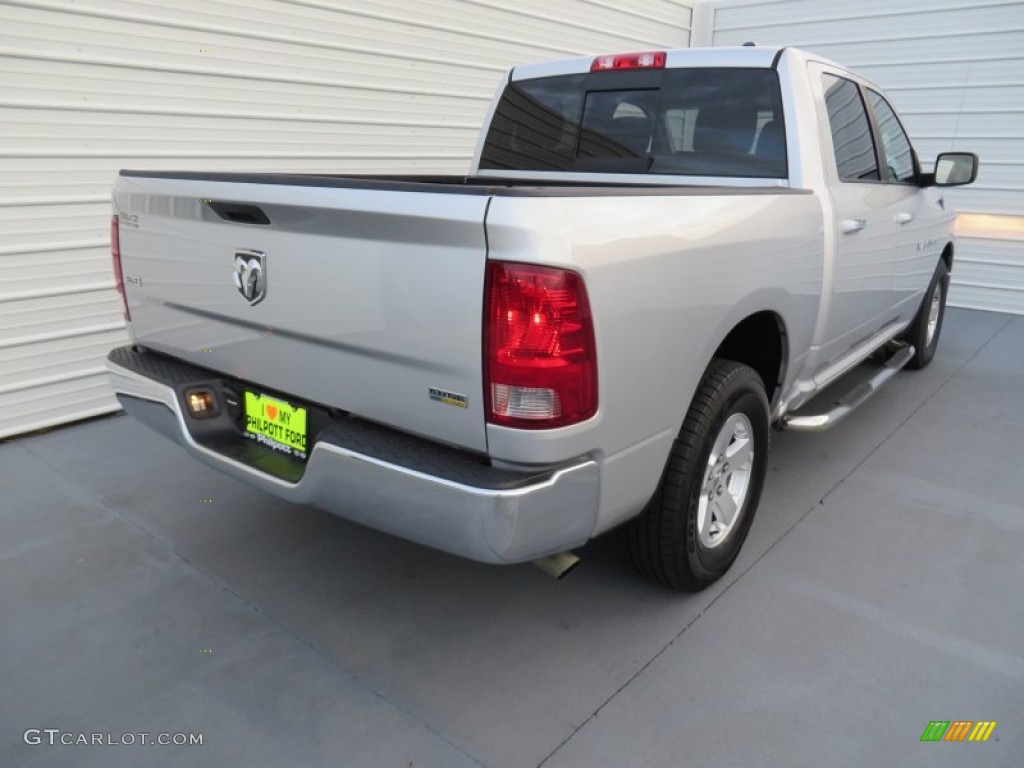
(276, 424)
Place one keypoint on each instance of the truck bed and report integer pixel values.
(374, 284)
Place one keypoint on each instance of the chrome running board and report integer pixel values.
(852, 399)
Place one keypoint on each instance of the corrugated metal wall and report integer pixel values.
(90, 86)
(955, 71)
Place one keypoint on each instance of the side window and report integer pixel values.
(898, 155)
(851, 130)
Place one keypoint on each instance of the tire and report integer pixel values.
(665, 542)
(923, 333)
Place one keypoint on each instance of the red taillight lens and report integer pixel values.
(539, 355)
(648, 60)
(115, 255)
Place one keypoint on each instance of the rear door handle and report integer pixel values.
(849, 226)
(904, 218)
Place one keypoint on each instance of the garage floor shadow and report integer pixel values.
(880, 589)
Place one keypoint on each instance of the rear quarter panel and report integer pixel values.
(668, 277)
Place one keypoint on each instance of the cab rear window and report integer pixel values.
(702, 122)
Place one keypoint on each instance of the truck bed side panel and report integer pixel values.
(667, 281)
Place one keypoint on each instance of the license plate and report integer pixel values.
(276, 424)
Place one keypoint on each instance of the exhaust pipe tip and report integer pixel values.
(558, 566)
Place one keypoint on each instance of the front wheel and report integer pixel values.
(696, 522)
(923, 332)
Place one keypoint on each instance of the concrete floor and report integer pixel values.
(880, 588)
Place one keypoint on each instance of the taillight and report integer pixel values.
(115, 255)
(539, 356)
(649, 60)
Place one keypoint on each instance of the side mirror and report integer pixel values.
(953, 169)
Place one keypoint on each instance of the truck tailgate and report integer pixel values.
(370, 302)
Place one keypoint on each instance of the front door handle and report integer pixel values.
(904, 218)
(849, 226)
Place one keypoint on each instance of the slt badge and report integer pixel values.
(250, 275)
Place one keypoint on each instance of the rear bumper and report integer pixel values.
(405, 486)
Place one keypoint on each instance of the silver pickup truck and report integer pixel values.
(654, 258)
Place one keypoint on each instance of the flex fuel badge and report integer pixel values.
(449, 398)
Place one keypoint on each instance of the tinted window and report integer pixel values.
(708, 122)
(896, 146)
(537, 121)
(851, 131)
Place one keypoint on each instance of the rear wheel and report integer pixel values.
(923, 332)
(693, 527)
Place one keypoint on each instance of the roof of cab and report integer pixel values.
(726, 56)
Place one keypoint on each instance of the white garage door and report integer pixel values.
(955, 72)
(92, 86)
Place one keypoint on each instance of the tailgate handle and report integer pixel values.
(240, 213)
